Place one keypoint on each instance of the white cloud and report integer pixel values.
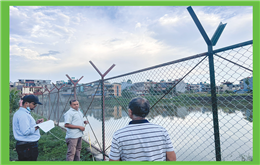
(28, 53)
(138, 25)
(167, 20)
(131, 37)
(15, 12)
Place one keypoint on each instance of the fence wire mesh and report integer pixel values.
(179, 93)
(234, 78)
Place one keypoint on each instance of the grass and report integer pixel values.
(50, 148)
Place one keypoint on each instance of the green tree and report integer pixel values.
(14, 100)
(248, 87)
(152, 91)
(129, 81)
(126, 93)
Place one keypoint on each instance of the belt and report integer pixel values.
(24, 142)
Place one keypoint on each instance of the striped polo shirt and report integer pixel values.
(140, 141)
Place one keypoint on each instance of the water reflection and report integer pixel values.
(190, 127)
(51, 110)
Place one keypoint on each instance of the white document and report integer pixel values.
(46, 126)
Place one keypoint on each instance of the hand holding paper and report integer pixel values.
(39, 121)
(46, 126)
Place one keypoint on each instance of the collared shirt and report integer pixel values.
(140, 141)
(24, 126)
(74, 117)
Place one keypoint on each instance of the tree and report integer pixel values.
(248, 87)
(152, 91)
(14, 100)
(129, 81)
(127, 93)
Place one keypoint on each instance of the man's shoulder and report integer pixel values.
(69, 112)
(122, 130)
(19, 112)
(136, 126)
(158, 126)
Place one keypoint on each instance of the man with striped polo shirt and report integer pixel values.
(141, 140)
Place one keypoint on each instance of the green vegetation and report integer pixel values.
(198, 99)
(246, 157)
(14, 100)
(50, 147)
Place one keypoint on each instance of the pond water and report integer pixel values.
(190, 129)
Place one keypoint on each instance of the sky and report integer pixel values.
(48, 42)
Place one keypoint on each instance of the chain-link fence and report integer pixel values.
(179, 93)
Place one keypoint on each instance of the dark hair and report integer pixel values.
(71, 101)
(139, 106)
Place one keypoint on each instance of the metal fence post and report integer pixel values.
(103, 114)
(214, 103)
(103, 104)
(58, 118)
(46, 89)
(212, 81)
(49, 105)
(74, 83)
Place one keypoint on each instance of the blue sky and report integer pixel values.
(51, 41)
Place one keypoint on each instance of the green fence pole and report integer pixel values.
(214, 103)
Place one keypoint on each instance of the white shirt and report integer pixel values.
(74, 117)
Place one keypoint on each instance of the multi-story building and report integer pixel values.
(138, 88)
(109, 89)
(32, 86)
(116, 89)
(125, 85)
(60, 82)
(28, 90)
(204, 87)
(180, 87)
(193, 88)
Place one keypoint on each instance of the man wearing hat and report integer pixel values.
(24, 130)
(141, 140)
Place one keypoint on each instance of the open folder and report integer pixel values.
(46, 126)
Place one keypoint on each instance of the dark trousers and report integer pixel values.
(74, 148)
(27, 152)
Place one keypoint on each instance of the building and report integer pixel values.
(116, 89)
(32, 86)
(180, 87)
(193, 88)
(138, 88)
(228, 86)
(109, 89)
(67, 90)
(34, 82)
(246, 85)
(61, 82)
(204, 87)
(126, 85)
(32, 90)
